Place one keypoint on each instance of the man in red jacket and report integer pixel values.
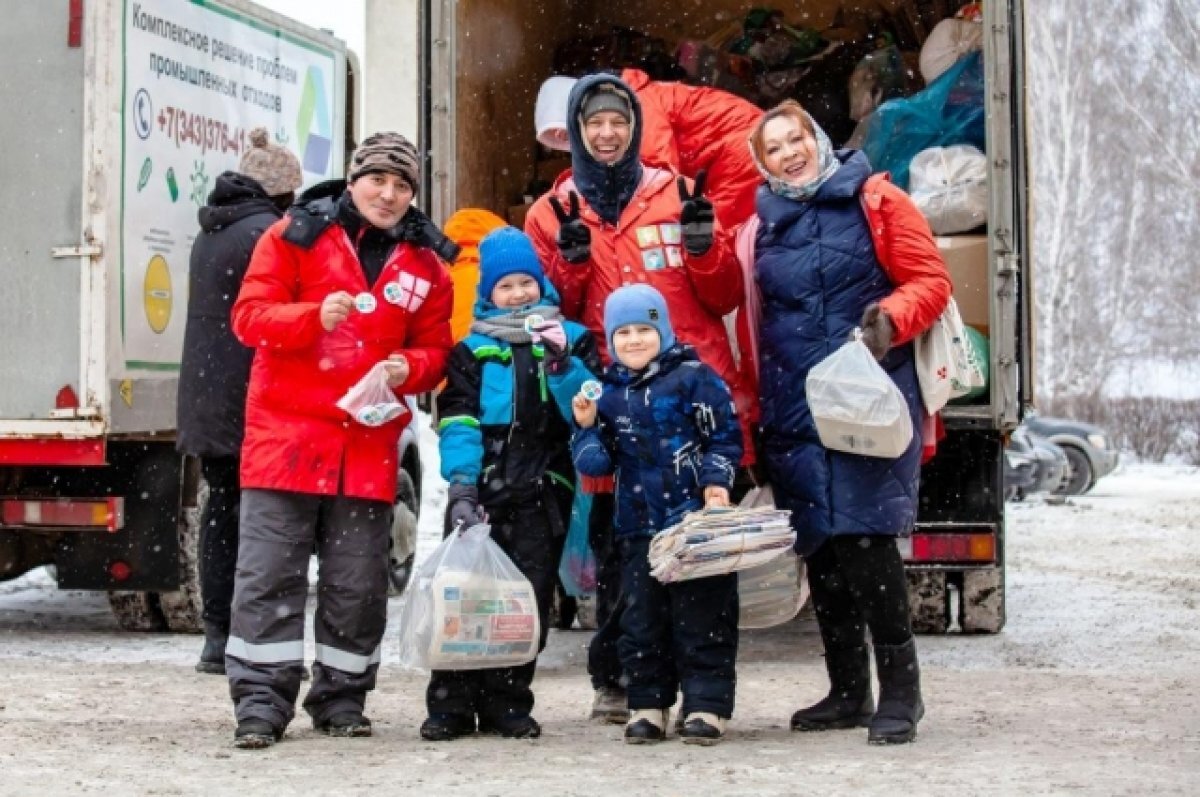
(611, 221)
(346, 281)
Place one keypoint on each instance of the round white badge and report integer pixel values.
(392, 292)
(591, 390)
(365, 303)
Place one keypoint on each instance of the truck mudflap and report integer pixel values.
(974, 596)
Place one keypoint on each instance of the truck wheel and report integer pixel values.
(403, 545)
(982, 608)
(928, 601)
(182, 608)
(137, 611)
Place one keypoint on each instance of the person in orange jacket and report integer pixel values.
(613, 220)
(467, 227)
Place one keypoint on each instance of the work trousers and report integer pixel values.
(265, 654)
(219, 540)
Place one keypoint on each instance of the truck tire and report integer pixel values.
(137, 611)
(182, 608)
(982, 608)
(928, 601)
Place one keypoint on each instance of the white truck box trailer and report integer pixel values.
(119, 116)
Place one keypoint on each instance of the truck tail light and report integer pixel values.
(119, 570)
(81, 513)
(969, 547)
(74, 23)
(66, 399)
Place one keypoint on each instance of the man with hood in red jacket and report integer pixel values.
(347, 280)
(611, 221)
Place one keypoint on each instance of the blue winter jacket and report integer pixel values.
(667, 433)
(504, 416)
(817, 271)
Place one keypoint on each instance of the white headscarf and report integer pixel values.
(550, 112)
(827, 164)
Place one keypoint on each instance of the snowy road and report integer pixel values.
(1094, 687)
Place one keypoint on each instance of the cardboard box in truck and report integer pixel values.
(119, 115)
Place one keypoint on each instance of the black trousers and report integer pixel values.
(219, 540)
(533, 538)
(857, 582)
(677, 637)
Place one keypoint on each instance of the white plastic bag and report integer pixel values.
(949, 186)
(468, 608)
(774, 592)
(371, 402)
(949, 41)
(946, 365)
(856, 406)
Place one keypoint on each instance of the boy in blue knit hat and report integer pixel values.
(505, 436)
(666, 427)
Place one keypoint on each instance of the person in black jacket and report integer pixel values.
(215, 369)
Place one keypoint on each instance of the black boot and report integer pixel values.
(849, 703)
(900, 705)
(212, 657)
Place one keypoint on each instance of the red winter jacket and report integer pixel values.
(690, 128)
(645, 247)
(297, 438)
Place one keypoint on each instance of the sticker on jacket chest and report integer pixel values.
(407, 291)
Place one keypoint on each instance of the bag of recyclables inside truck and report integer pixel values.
(772, 593)
(371, 402)
(468, 608)
(856, 406)
(716, 541)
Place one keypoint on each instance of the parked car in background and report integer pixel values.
(1089, 450)
(1048, 464)
(1020, 473)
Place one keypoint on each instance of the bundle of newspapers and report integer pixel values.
(718, 541)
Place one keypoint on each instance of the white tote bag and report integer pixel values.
(946, 365)
(856, 406)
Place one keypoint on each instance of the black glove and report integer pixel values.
(877, 330)
(696, 217)
(574, 238)
(419, 229)
(462, 507)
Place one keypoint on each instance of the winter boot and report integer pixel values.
(646, 725)
(346, 724)
(610, 706)
(849, 703)
(447, 727)
(702, 728)
(900, 705)
(255, 734)
(512, 726)
(212, 657)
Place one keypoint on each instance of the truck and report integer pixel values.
(120, 116)
(462, 75)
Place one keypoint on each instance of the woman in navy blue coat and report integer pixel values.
(825, 232)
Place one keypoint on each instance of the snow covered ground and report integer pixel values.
(1093, 687)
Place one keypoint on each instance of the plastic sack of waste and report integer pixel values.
(950, 187)
(949, 41)
(879, 76)
(468, 608)
(949, 111)
(856, 406)
(946, 365)
(577, 568)
(979, 353)
(771, 593)
(371, 402)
